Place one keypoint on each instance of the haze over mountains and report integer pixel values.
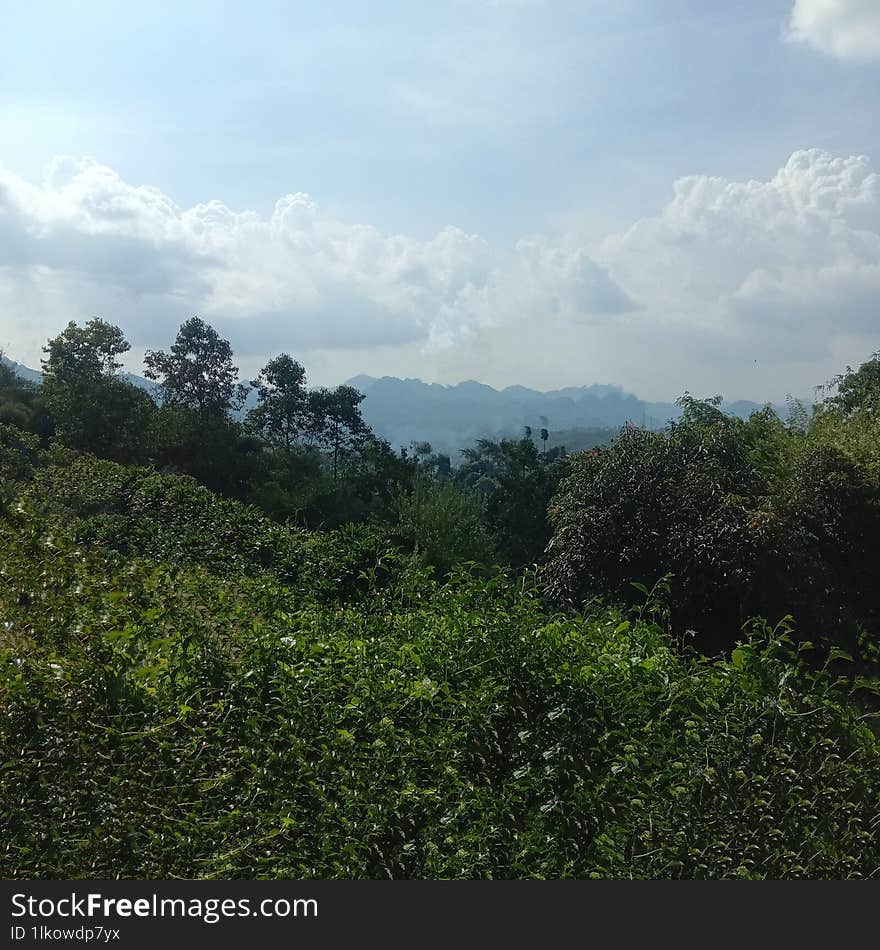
(452, 417)
(22, 371)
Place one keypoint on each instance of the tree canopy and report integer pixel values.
(282, 415)
(198, 371)
(91, 407)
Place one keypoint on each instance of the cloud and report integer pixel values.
(780, 275)
(786, 264)
(846, 29)
(84, 240)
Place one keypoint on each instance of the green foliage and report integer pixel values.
(517, 484)
(281, 415)
(91, 352)
(161, 723)
(855, 434)
(751, 518)
(337, 423)
(211, 447)
(174, 520)
(91, 408)
(652, 503)
(858, 389)
(19, 454)
(17, 398)
(192, 689)
(290, 485)
(198, 372)
(443, 523)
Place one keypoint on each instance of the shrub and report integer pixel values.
(19, 454)
(163, 723)
(750, 519)
(173, 520)
(685, 502)
(443, 524)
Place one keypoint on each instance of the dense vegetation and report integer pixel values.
(272, 646)
(751, 518)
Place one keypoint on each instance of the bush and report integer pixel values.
(750, 519)
(443, 524)
(684, 502)
(163, 723)
(19, 454)
(173, 520)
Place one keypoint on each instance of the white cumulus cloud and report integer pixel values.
(780, 275)
(85, 241)
(847, 29)
(789, 263)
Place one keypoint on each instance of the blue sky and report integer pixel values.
(491, 186)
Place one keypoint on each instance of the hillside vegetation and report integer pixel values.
(340, 661)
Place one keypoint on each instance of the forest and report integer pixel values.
(268, 644)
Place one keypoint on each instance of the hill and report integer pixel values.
(223, 655)
(23, 372)
(36, 376)
(177, 704)
(451, 417)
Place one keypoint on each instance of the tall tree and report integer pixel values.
(281, 416)
(89, 352)
(198, 373)
(92, 408)
(336, 421)
(545, 433)
(199, 391)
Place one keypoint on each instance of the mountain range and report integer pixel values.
(23, 372)
(452, 417)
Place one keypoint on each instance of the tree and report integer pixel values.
(545, 433)
(858, 389)
(198, 373)
(281, 415)
(90, 352)
(517, 485)
(654, 503)
(425, 459)
(199, 392)
(714, 502)
(92, 408)
(336, 421)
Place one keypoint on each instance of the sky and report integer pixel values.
(660, 194)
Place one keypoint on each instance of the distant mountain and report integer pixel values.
(35, 376)
(452, 417)
(23, 372)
